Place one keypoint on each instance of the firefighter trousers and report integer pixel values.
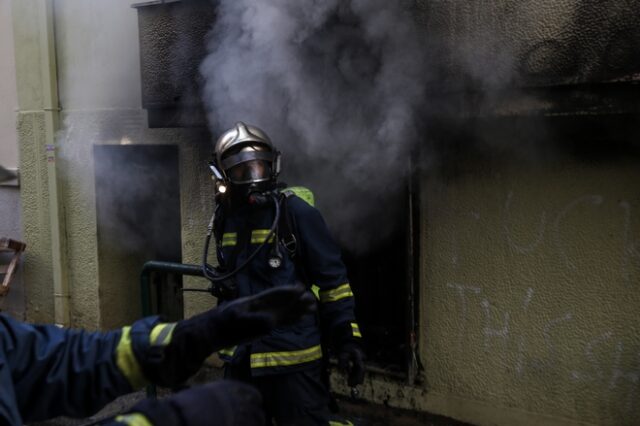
(299, 398)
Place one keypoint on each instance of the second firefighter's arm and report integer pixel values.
(57, 371)
(68, 372)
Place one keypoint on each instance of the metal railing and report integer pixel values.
(168, 267)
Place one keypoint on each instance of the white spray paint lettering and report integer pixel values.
(592, 199)
(519, 248)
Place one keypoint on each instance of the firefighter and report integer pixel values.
(270, 236)
(47, 371)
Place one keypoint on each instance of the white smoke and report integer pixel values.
(336, 85)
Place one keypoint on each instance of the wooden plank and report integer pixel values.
(17, 247)
(7, 244)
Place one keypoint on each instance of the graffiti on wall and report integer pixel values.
(601, 358)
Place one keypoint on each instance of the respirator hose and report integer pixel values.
(209, 271)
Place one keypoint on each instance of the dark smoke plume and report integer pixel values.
(335, 84)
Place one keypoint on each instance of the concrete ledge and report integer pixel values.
(388, 392)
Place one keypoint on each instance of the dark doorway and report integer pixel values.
(138, 219)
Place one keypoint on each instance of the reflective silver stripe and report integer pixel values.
(335, 294)
(161, 334)
(278, 359)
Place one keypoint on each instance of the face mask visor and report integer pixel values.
(248, 167)
(251, 171)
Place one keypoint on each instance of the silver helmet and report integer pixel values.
(244, 155)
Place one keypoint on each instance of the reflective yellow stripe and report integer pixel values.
(278, 359)
(229, 239)
(303, 193)
(228, 351)
(336, 423)
(161, 334)
(258, 236)
(336, 294)
(127, 362)
(355, 329)
(316, 291)
(134, 419)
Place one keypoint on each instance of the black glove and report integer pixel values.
(351, 360)
(240, 321)
(222, 403)
(350, 354)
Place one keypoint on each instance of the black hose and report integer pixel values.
(209, 271)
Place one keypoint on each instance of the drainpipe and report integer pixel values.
(51, 111)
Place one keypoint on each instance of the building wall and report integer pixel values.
(528, 264)
(528, 295)
(530, 302)
(99, 89)
(10, 224)
(99, 74)
(8, 136)
(530, 42)
(529, 259)
(34, 198)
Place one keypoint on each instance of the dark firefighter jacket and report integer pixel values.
(47, 371)
(299, 346)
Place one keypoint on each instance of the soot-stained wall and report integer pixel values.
(529, 224)
(529, 279)
(542, 43)
(172, 45)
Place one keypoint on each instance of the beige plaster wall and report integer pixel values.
(99, 90)
(99, 74)
(529, 306)
(530, 301)
(10, 217)
(8, 94)
(38, 269)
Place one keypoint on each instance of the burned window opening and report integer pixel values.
(384, 283)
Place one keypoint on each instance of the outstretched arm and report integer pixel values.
(52, 371)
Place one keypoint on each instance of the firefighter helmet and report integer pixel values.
(245, 154)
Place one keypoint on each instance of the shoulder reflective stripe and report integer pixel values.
(258, 236)
(335, 294)
(277, 359)
(134, 419)
(229, 239)
(337, 423)
(355, 329)
(161, 334)
(303, 193)
(228, 351)
(127, 362)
